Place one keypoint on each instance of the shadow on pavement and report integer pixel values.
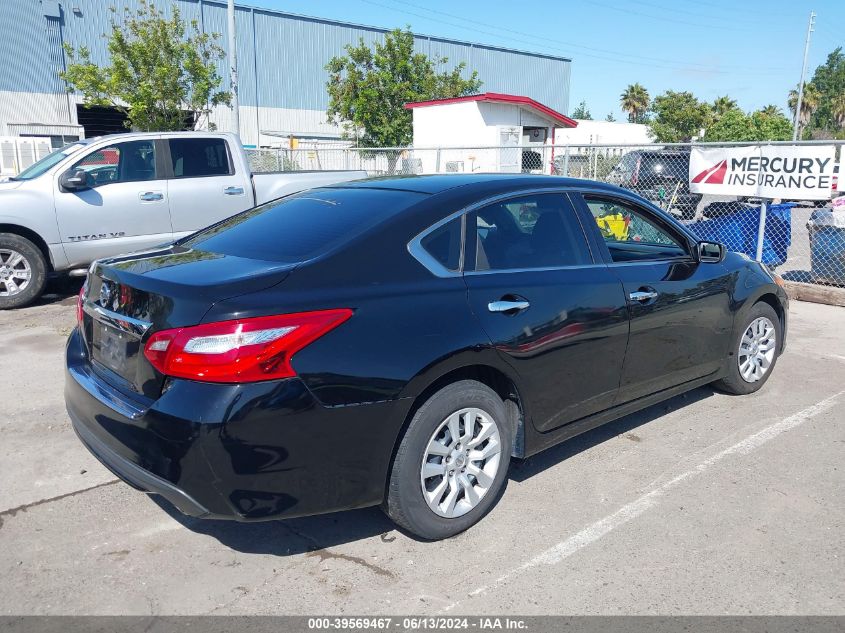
(523, 469)
(313, 535)
(309, 535)
(60, 291)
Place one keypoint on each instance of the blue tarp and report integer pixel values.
(738, 231)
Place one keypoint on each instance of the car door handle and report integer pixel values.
(643, 296)
(233, 191)
(503, 305)
(150, 196)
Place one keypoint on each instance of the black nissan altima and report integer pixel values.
(397, 341)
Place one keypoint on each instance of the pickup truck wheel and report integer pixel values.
(23, 271)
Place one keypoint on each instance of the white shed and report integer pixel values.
(489, 132)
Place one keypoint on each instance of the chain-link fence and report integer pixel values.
(803, 239)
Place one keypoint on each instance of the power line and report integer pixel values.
(617, 56)
(708, 16)
(570, 44)
(663, 18)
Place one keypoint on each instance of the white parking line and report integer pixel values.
(632, 510)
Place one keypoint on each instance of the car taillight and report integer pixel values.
(245, 350)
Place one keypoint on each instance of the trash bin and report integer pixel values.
(738, 230)
(725, 230)
(778, 235)
(827, 245)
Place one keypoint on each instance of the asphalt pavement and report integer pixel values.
(705, 504)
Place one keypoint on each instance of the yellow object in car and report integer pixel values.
(614, 226)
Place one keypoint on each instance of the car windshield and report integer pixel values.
(302, 226)
(38, 168)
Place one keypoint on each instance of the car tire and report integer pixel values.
(760, 328)
(468, 488)
(23, 271)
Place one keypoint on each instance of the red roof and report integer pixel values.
(496, 97)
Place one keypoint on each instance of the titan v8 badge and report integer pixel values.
(96, 236)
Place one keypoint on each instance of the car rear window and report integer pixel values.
(667, 165)
(302, 226)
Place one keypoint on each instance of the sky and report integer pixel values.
(750, 50)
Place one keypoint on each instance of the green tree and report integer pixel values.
(678, 117)
(582, 112)
(771, 126)
(829, 80)
(837, 110)
(735, 125)
(610, 118)
(160, 71)
(723, 105)
(809, 104)
(368, 89)
(772, 110)
(635, 101)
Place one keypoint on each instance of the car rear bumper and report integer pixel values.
(136, 476)
(245, 452)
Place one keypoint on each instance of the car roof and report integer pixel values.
(470, 183)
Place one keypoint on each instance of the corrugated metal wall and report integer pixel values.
(292, 51)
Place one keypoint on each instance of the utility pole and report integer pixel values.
(233, 67)
(797, 119)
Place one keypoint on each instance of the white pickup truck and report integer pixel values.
(116, 194)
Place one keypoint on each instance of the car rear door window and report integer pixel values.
(199, 157)
(631, 234)
(302, 226)
(532, 231)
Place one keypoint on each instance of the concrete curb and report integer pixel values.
(828, 295)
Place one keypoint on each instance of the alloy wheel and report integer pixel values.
(757, 349)
(460, 462)
(15, 273)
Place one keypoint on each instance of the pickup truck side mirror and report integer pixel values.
(711, 252)
(74, 180)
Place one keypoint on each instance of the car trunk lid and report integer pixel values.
(128, 298)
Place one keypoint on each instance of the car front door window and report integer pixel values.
(132, 161)
(630, 235)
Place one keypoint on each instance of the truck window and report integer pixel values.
(198, 157)
(131, 161)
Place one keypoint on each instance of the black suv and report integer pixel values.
(661, 176)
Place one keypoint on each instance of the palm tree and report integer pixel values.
(809, 103)
(635, 101)
(722, 105)
(837, 109)
(771, 110)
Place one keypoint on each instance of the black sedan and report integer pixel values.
(396, 341)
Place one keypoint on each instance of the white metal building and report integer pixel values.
(468, 124)
(603, 133)
(281, 67)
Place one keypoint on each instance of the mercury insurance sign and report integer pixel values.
(798, 172)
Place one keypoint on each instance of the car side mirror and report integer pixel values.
(74, 180)
(711, 252)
